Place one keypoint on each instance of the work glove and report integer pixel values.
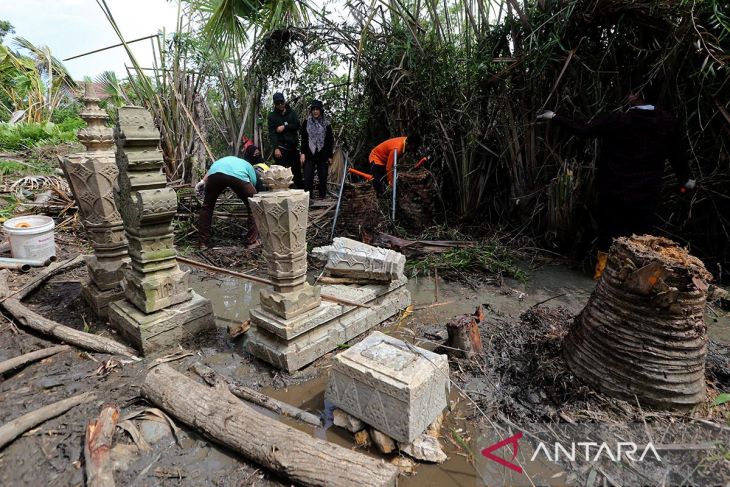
(545, 115)
(690, 184)
(200, 189)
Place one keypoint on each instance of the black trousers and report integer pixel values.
(622, 219)
(290, 158)
(310, 164)
(379, 177)
(215, 185)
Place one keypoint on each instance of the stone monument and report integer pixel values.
(281, 216)
(92, 176)
(396, 388)
(350, 258)
(293, 326)
(160, 308)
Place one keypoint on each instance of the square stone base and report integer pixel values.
(290, 304)
(164, 328)
(394, 387)
(99, 300)
(306, 348)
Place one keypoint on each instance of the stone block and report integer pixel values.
(291, 304)
(98, 299)
(162, 329)
(349, 422)
(106, 274)
(327, 310)
(350, 258)
(306, 348)
(155, 291)
(393, 387)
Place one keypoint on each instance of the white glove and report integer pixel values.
(200, 188)
(545, 115)
(690, 184)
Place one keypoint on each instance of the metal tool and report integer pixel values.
(339, 198)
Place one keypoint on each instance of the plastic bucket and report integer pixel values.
(31, 237)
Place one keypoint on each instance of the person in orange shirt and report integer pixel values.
(382, 157)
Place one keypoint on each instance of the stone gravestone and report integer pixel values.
(395, 388)
(350, 258)
(160, 308)
(92, 176)
(281, 216)
(292, 327)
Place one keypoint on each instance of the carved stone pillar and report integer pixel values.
(281, 217)
(92, 176)
(160, 308)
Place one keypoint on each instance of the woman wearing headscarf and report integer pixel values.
(317, 145)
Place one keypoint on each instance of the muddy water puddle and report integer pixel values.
(433, 305)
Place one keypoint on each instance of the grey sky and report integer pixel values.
(71, 27)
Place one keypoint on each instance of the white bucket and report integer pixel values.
(31, 237)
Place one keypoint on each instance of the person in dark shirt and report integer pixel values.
(283, 126)
(317, 145)
(634, 147)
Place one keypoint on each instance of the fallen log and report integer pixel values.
(27, 358)
(213, 378)
(87, 341)
(10, 431)
(280, 448)
(98, 445)
(464, 339)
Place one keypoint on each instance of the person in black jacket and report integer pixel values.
(283, 126)
(634, 146)
(316, 150)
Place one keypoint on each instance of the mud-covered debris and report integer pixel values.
(384, 442)
(424, 448)
(347, 421)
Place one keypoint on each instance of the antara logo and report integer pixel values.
(592, 452)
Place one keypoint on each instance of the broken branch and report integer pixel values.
(27, 358)
(98, 445)
(18, 426)
(213, 378)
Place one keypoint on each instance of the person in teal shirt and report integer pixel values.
(227, 172)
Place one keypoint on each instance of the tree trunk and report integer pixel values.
(98, 444)
(27, 358)
(87, 341)
(464, 339)
(280, 448)
(642, 333)
(213, 378)
(18, 426)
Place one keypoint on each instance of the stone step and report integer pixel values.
(307, 347)
(327, 311)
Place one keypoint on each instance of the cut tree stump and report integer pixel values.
(464, 339)
(280, 448)
(27, 358)
(10, 431)
(98, 445)
(213, 378)
(642, 334)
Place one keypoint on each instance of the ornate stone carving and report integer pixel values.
(396, 388)
(92, 177)
(350, 258)
(277, 178)
(281, 217)
(160, 306)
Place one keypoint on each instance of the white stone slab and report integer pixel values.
(396, 388)
(327, 311)
(308, 347)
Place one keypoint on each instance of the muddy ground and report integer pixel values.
(520, 377)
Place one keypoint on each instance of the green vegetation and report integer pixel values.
(485, 257)
(23, 136)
